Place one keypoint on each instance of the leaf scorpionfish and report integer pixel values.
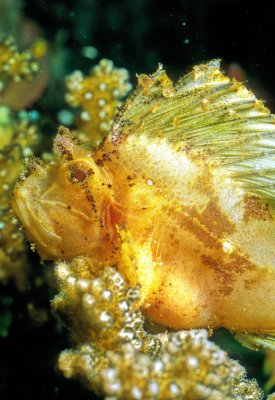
(179, 197)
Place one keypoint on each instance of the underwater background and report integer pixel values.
(136, 35)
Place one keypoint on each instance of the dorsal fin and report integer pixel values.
(209, 116)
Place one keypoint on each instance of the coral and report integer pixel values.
(17, 137)
(98, 96)
(116, 357)
(107, 304)
(14, 64)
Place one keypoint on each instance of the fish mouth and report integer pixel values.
(28, 206)
(55, 215)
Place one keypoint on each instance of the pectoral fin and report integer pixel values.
(255, 341)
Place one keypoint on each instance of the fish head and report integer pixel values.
(60, 204)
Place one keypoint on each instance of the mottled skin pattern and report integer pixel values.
(191, 279)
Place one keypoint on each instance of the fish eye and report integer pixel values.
(78, 175)
(79, 172)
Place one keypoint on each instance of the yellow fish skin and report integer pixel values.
(180, 197)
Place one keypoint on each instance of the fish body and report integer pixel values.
(179, 196)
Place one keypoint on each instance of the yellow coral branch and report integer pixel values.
(98, 96)
(115, 356)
